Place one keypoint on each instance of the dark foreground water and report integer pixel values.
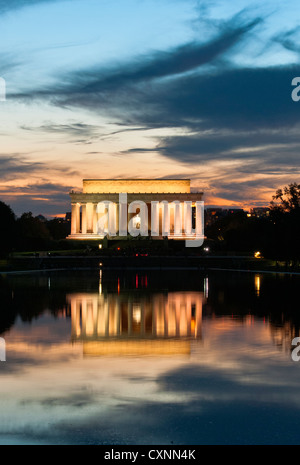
(149, 358)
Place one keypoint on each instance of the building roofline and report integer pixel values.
(135, 179)
(135, 193)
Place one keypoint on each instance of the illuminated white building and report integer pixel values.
(127, 324)
(161, 206)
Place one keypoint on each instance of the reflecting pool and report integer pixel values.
(160, 357)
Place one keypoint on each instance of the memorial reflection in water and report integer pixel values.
(133, 323)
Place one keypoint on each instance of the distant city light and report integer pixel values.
(257, 284)
(206, 288)
(257, 254)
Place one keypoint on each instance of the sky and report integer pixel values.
(148, 89)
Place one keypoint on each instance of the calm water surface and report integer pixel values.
(149, 358)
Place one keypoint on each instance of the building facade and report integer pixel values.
(126, 324)
(156, 207)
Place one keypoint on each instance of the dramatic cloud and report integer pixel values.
(13, 165)
(43, 197)
(16, 165)
(176, 88)
(233, 145)
(22, 195)
(235, 119)
(78, 132)
(8, 5)
(7, 63)
(166, 64)
(90, 87)
(289, 39)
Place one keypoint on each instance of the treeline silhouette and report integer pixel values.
(29, 233)
(275, 236)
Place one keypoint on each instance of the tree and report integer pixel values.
(276, 235)
(285, 215)
(32, 233)
(7, 230)
(288, 197)
(58, 228)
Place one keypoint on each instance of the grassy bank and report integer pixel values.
(142, 261)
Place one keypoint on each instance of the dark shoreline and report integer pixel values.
(130, 263)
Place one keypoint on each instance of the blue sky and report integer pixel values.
(159, 88)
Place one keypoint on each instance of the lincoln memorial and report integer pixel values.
(131, 324)
(156, 207)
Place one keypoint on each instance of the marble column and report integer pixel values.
(89, 217)
(188, 217)
(199, 219)
(73, 219)
(199, 304)
(83, 219)
(166, 220)
(119, 329)
(177, 218)
(117, 219)
(154, 219)
(112, 219)
(144, 219)
(166, 317)
(83, 316)
(75, 318)
(78, 218)
(95, 218)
